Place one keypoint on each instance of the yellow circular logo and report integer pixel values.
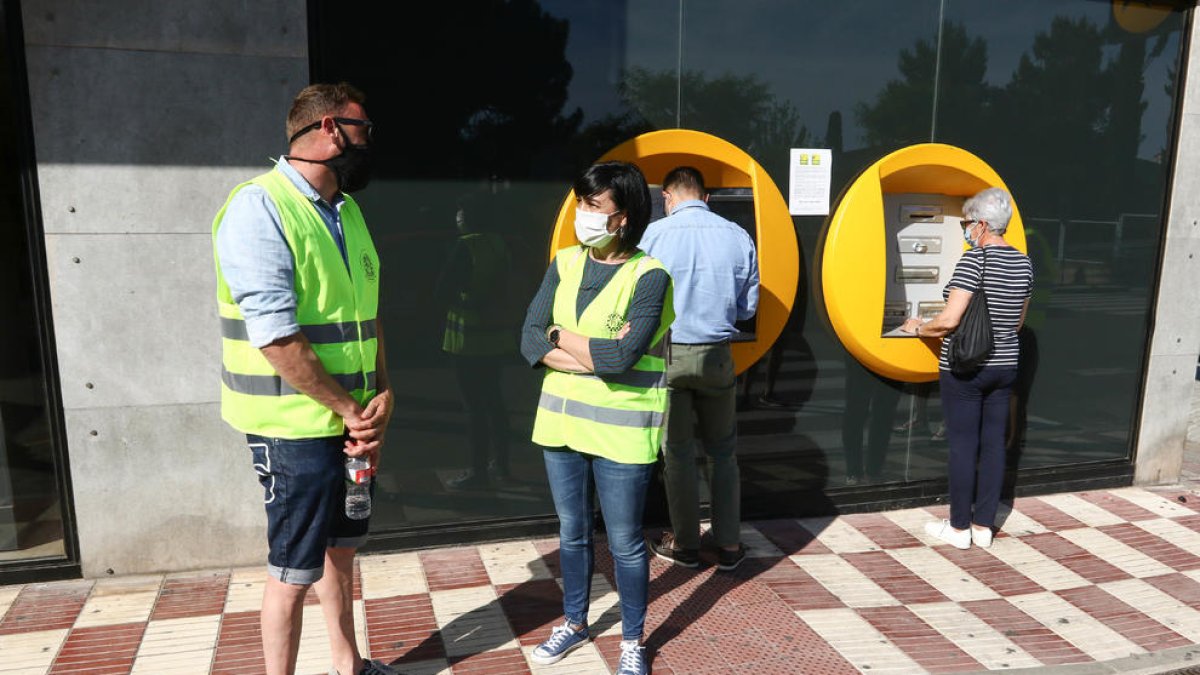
(1140, 16)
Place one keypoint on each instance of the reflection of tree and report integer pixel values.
(1070, 116)
(740, 109)
(458, 96)
(1061, 92)
(902, 112)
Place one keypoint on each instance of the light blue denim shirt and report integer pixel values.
(256, 261)
(714, 267)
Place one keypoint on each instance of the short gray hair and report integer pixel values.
(993, 206)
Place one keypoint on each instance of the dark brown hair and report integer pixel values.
(318, 100)
(686, 177)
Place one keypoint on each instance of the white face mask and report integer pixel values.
(591, 228)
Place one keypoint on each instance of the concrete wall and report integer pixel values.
(145, 114)
(1175, 336)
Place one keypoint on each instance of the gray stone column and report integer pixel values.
(145, 115)
(1175, 333)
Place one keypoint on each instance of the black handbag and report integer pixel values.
(972, 342)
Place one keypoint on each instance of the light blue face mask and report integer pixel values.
(967, 235)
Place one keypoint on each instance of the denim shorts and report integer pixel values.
(304, 491)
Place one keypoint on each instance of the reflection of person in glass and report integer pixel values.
(975, 405)
(598, 324)
(871, 406)
(477, 336)
(714, 266)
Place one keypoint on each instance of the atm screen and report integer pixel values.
(736, 205)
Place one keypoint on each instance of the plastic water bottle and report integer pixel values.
(358, 488)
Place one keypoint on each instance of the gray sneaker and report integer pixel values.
(372, 667)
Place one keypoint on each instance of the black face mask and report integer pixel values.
(351, 168)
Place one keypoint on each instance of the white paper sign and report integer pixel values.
(810, 177)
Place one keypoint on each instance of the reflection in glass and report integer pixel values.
(31, 520)
(508, 101)
(477, 336)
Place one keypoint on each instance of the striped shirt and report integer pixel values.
(1008, 282)
(610, 357)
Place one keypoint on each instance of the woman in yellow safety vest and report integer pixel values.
(598, 326)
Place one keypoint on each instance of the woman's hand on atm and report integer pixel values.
(911, 325)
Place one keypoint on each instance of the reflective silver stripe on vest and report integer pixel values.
(273, 385)
(318, 334)
(643, 379)
(638, 419)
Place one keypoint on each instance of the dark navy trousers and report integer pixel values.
(976, 411)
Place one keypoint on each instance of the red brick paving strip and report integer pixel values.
(1179, 586)
(1190, 522)
(1074, 558)
(791, 537)
(1050, 518)
(239, 645)
(504, 661)
(881, 530)
(798, 588)
(921, 642)
(1118, 506)
(990, 571)
(1152, 545)
(454, 568)
(404, 628)
(683, 654)
(45, 607)
(311, 597)
(1026, 632)
(746, 646)
(532, 608)
(796, 643)
(1120, 617)
(100, 650)
(199, 595)
(894, 577)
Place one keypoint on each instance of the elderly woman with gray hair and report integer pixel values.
(975, 405)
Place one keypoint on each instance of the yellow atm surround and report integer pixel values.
(853, 267)
(724, 165)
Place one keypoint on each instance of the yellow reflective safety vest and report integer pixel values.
(335, 307)
(477, 321)
(618, 417)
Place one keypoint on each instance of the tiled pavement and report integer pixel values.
(1072, 579)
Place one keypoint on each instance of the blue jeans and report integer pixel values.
(622, 492)
(976, 411)
(304, 492)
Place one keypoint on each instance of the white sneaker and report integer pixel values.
(956, 538)
(981, 538)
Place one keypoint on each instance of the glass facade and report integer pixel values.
(31, 506)
(486, 110)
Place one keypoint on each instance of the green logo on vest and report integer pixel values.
(614, 323)
(368, 266)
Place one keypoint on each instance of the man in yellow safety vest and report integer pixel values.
(303, 372)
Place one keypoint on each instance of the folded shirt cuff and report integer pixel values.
(267, 328)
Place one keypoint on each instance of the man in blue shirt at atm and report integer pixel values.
(714, 267)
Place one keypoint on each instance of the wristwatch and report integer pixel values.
(552, 334)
